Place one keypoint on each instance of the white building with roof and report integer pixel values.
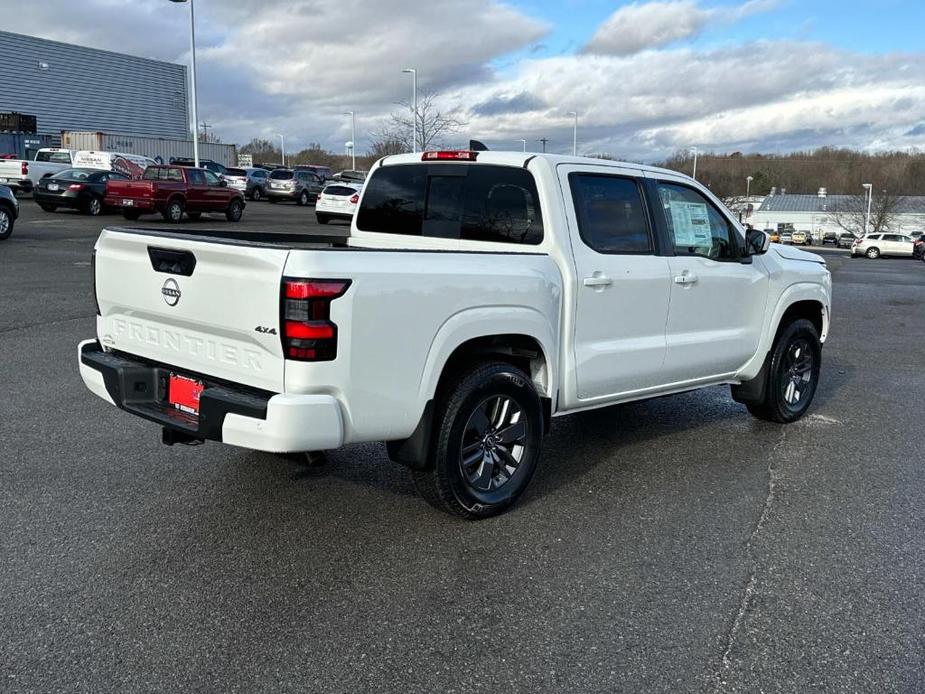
(816, 213)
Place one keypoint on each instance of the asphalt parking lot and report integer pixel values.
(676, 545)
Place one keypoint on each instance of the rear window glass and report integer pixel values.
(156, 173)
(281, 175)
(454, 201)
(73, 175)
(55, 157)
(339, 190)
(235, 172)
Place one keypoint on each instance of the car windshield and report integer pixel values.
(281, 175)
(73, 175)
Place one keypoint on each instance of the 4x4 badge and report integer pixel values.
(265, 331)
(171, 292)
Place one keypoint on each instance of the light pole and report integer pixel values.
(574, 133)
(870, 196)
(192, 44)
(748, 187)
(524, 142)
(694, 175)
(282, 147)
(414, 107)
(353, 136)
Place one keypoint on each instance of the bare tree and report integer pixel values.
(384, 144)
(850, 212)
(432, 124)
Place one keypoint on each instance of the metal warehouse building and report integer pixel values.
(71, 87)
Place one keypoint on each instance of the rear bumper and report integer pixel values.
(140, 204)
(282, 194)
(277, 423)
(58, 200)
(18, 185)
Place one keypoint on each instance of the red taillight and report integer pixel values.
(24, 168)
(319, 197)
(450, 154)
(76, 186)
(308, 333)
(857, 242)
(355, 198)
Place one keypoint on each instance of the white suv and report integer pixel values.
(876, 245)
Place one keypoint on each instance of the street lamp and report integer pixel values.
(694, 151)
(414, 107)
(574, 133)
(524, 143)
(282, 147)
(748, 187)
(353, 136)
(869, 187)
(192, 44)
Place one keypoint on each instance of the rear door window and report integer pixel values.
(456, 201)
(196, 177)
(611, 215)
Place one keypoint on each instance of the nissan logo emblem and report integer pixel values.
(171, 291)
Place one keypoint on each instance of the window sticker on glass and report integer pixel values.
(691, 222)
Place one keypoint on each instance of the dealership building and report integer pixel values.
(76, 88)
(817, 213)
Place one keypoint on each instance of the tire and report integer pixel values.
(491, 402)
(173, 213)
(131, 215)
(303, 198)
(6, 223)
(322, 219)
(873, 253)
(256, 194)
(94, 206)
(48, 208)
(194, 215)
(793, 374)
(234, 211)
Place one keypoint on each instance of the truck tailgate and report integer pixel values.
(205, 307)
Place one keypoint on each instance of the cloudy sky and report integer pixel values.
(647, 78)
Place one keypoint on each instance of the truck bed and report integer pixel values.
(263, 239)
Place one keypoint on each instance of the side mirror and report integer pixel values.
(756, 242)
(223, 183)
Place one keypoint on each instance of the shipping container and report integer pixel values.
(23, 145)
(17, 123)
(158, 148)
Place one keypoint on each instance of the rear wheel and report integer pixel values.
(487, 441)
(793, 374)
(256, 194)
(94, 206)
(6, 222)
(131, 215)
(303, 198)
(235, 210)
(174, 212)
(873, 253)
(48, 208)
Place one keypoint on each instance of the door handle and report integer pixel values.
(685, 278)
(598, 281)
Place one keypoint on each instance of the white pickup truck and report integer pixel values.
(22, 175)
(479, 295)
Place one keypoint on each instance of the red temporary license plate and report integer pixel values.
(183, 393)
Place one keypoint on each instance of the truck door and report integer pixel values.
(717, 301)
(196, 190)
(621, 301)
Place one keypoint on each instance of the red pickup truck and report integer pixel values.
(174, 191)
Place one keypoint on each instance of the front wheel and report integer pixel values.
(235, 210)
(303, 198)
(873, 253)
(487, 441)
(793, 374)
(6, 223)
(256, 194)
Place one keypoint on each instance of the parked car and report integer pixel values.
(22, 175)
(80, 189)
(213, 166)
(9, 212)
(830, 237)
(462, 317)
(129, 165)
(323, 172)
(174, 191)
(237, 179)
(918, 248)
(773, 235)
(846, 240)
(257, 179)
(876, 245)
(302, 186)
(785, 236)
(801, 238)
(337, 201)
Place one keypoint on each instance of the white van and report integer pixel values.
(131, 165)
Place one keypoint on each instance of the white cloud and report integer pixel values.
(639, 26)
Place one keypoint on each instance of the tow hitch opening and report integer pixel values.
(171, 436)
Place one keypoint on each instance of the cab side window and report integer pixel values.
(211, 179)
(695, 225)
(611, 214)
(195, 177)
